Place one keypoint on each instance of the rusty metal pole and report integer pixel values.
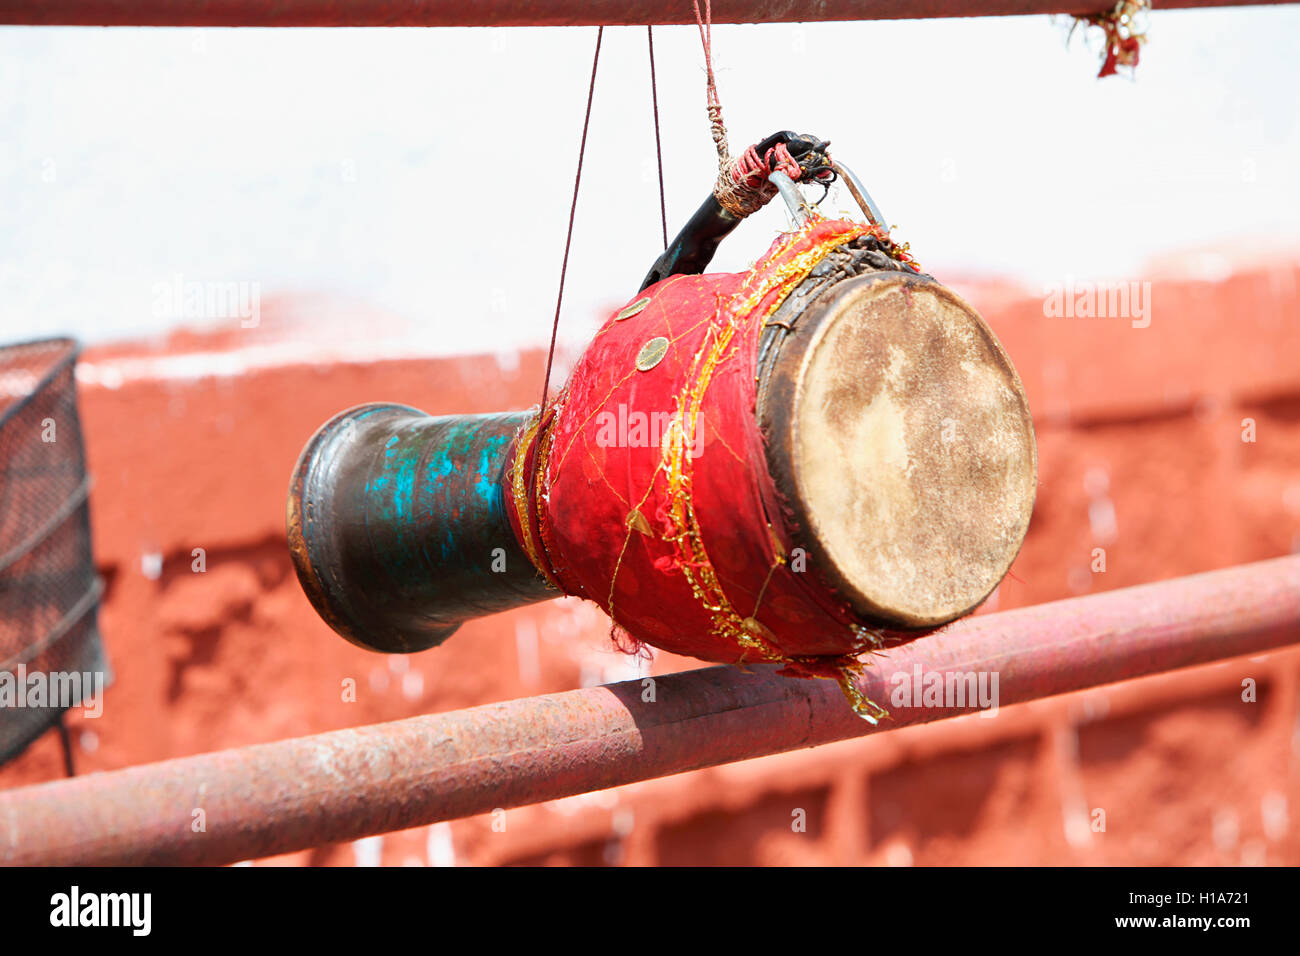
(507, 13)
(295, 794)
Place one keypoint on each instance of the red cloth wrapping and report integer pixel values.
(655, 500)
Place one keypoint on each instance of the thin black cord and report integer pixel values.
(573, 209)
(659, 149)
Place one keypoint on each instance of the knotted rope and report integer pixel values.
(742, 187)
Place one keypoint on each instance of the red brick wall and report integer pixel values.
(1141, 453)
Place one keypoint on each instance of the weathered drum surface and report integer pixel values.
(830, 399)
(898, 432)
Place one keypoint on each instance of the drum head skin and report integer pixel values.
(904, 449)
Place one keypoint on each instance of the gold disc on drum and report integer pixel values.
(903, 445)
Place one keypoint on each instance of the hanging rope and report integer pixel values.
(659, 149)
(573, 209)
(717, 128)
(742, 187)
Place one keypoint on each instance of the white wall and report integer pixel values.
(427, 173)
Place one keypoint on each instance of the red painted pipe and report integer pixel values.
(294, 794)
(515, 13)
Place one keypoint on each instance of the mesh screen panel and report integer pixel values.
(49, 593)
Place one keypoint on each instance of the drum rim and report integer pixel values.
(819, 317)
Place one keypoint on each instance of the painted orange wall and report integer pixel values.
(1141, 453)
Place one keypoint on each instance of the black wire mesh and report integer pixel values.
(49, 593)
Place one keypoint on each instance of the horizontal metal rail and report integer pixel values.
(517, 13)
(293, 794)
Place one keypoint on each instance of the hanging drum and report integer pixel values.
(821, 456)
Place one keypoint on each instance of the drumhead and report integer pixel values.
(904, 449)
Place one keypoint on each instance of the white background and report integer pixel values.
(426, 174)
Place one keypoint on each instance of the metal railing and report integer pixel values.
(294, 794)
(504, 13)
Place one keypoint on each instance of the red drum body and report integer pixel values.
(824, 455)
(728, 444)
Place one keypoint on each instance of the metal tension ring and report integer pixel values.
(798, 206)
(794, 200)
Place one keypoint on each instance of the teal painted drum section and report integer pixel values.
(399, 529)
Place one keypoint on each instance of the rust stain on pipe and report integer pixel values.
(445, 13)
(293, 794)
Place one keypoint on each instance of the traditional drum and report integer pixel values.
(820, 456)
